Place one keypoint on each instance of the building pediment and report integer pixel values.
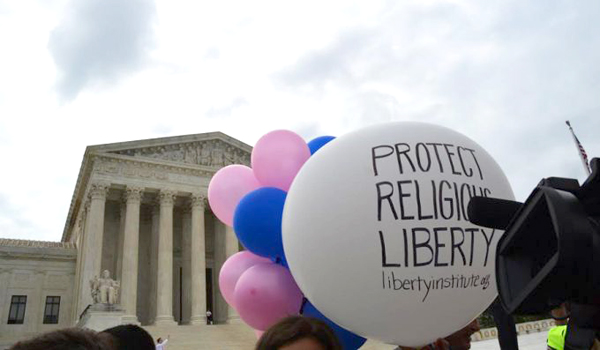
(210, 150)
(211, 153)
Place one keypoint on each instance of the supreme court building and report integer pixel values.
(138, 210)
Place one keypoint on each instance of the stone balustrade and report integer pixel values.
(522, 328)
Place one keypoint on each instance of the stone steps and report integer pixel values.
(188, 337)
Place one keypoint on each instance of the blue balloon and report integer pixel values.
(349, 340)
(318, 142)
(257, 223)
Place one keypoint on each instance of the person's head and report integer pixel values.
(159, 340)
(130, 337)
(68, 339)
(461, 340)
(561, 314)
(105, 274)
(299, 333)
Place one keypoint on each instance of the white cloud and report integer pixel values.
(98, 41)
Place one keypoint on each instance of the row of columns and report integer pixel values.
(194, 253)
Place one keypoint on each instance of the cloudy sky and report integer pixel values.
(76, 73)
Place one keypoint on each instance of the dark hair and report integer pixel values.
(131, 337)
(67, 339)
(294, 328)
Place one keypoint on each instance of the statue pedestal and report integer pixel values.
(102, 316)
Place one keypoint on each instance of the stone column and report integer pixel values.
(151, 300)
(121, 237)
(198, 260)
(231, 247)
(131, 238)
(220, 310)
(164, 287)
(186, 258)
(78, 267)
(92, 242)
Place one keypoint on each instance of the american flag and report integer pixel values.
(582, 154)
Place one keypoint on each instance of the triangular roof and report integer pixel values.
(119, 147)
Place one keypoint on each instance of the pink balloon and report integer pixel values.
(277, 157)
(226, 189)
(266, 293)
(258, 333)
(233, 268)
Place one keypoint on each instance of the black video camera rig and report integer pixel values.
(550, 252)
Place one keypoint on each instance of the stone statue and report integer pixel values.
(204, 152)
(216, 157)
(104, 290)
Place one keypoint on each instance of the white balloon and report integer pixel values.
(375, 234)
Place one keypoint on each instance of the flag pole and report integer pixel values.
(580, 150)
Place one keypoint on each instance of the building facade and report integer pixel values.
(139, 210)
(36, 287)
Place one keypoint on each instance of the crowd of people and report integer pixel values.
(291, 333)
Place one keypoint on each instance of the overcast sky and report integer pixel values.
(75, 73)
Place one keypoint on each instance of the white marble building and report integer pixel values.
(138, 210)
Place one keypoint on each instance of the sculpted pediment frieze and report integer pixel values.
(211, 153)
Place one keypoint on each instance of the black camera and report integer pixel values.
(550, 251)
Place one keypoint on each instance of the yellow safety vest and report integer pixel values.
(556, 337)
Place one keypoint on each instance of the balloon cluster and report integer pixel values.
(256, 282)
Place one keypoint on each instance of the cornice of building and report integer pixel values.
(27, 249)
(10, 242)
